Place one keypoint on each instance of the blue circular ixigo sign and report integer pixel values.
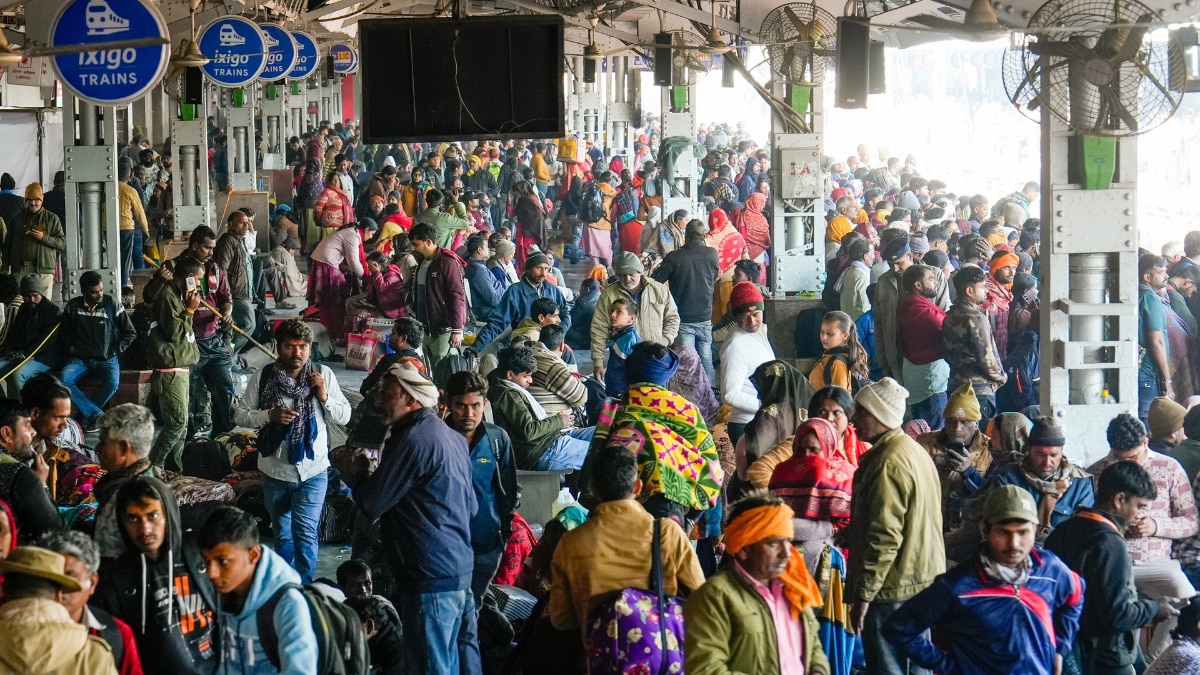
(236, 49)
(307, 57)
(110, 75)
(281, 52)
(345, 59)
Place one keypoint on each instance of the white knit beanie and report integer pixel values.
(886, 400)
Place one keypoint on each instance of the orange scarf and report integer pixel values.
(766, 521)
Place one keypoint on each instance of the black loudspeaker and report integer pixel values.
(853, 59)
(876, 76)
(727, 73)
(193, 86)
(329, 71)
(662, 60)
(589, 71)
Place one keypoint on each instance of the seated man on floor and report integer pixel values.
(35, 318)
(543, 442)
(95, 329)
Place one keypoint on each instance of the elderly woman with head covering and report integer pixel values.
(730, 247)
(1007, 433)
(836, 405)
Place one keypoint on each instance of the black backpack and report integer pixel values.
(1022, 367)
(207, 459)
(591, 203)
(807, 334)
(341, 644)
(857, 381)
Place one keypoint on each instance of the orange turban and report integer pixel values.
(767, 521)
(1003, 261)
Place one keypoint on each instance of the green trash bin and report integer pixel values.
(1099, 161)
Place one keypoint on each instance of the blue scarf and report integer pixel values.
(301, 434)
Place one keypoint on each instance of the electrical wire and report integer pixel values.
(457, 86)
(31, 354)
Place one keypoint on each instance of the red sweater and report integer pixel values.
(919, 329)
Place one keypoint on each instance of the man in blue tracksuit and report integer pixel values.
(1008, 610)
(519, 298)
(248, 575)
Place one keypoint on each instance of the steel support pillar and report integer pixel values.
(619, 127)
(274, 126)
(240, 137)
(797, 205)
(683, 190)
(189, 196)
(1089, 293)
(93, 223)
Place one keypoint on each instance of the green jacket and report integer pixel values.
(531, 437)
(445, 224)
(172, 343)
(45, 252)
(895, 533)
(730, 631)
(1187, 453)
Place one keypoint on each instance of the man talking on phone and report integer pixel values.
(960, 451)
(291, 402)
(172, 351)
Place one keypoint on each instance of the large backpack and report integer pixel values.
(1022, 367)
(807, 333)
(341, 644)
(591, 203)
(625, 205)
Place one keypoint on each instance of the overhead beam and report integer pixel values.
(631, 38)
(331, 8)
(700, 16)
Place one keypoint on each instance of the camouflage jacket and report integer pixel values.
(971, 350)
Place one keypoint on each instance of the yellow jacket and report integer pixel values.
(611, 551)
(130, 205)
(541, 170)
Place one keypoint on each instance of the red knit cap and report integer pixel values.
(744, 297)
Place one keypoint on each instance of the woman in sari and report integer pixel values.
(816, 482)
(529, 217)
(836, 405)
(753, 225)
(412, 197)
(598, 236)
(334, 209)
(782, 393)
(730, 247)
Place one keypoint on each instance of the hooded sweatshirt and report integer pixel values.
(242, 652)
(169, 601)
(37, 635)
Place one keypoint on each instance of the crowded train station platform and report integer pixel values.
(521, 337)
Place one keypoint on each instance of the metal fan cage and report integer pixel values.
(1086, 74)
(800, 54)
(688, 66)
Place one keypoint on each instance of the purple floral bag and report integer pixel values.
(631, 635)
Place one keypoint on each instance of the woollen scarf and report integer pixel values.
(301, 434)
